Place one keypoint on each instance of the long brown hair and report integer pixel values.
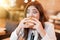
(41, 11)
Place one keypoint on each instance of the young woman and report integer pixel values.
(35, 25)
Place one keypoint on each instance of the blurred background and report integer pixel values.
(12, 12)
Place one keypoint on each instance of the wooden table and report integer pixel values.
(2, 31)
(54, 18)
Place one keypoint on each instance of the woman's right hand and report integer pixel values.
(23, 24)
(20, 26)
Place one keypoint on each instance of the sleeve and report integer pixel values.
(46, 37)
(50, 32)
(13, 36)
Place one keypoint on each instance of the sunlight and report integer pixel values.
(4, 4)
(12, 2)
(32, 0)
(7, 3)
(26, 1)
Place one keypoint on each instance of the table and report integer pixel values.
(54, 18)
(2, 31)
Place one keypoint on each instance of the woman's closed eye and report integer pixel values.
(28, 11)
(35, 12)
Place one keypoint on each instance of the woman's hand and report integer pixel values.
(25, 23)
(38, 27)
(37, 24)
(34, 24)
(22, 25)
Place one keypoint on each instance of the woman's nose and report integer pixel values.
(31, 15)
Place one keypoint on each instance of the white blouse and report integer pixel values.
(50, 33)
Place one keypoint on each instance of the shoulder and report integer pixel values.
(49, 25)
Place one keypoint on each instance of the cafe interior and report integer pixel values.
(12, 12)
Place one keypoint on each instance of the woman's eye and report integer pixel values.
(27, 12)
(35, 12)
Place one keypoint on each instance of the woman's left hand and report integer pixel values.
(38, 26)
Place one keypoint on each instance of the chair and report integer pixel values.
(10, 27)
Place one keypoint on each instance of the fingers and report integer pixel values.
(25, 19)
(35, 20)
(29, 26)
(30, 23)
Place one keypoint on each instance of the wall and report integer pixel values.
(3, 13)
(51, 6)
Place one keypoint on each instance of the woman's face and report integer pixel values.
(32, 11)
